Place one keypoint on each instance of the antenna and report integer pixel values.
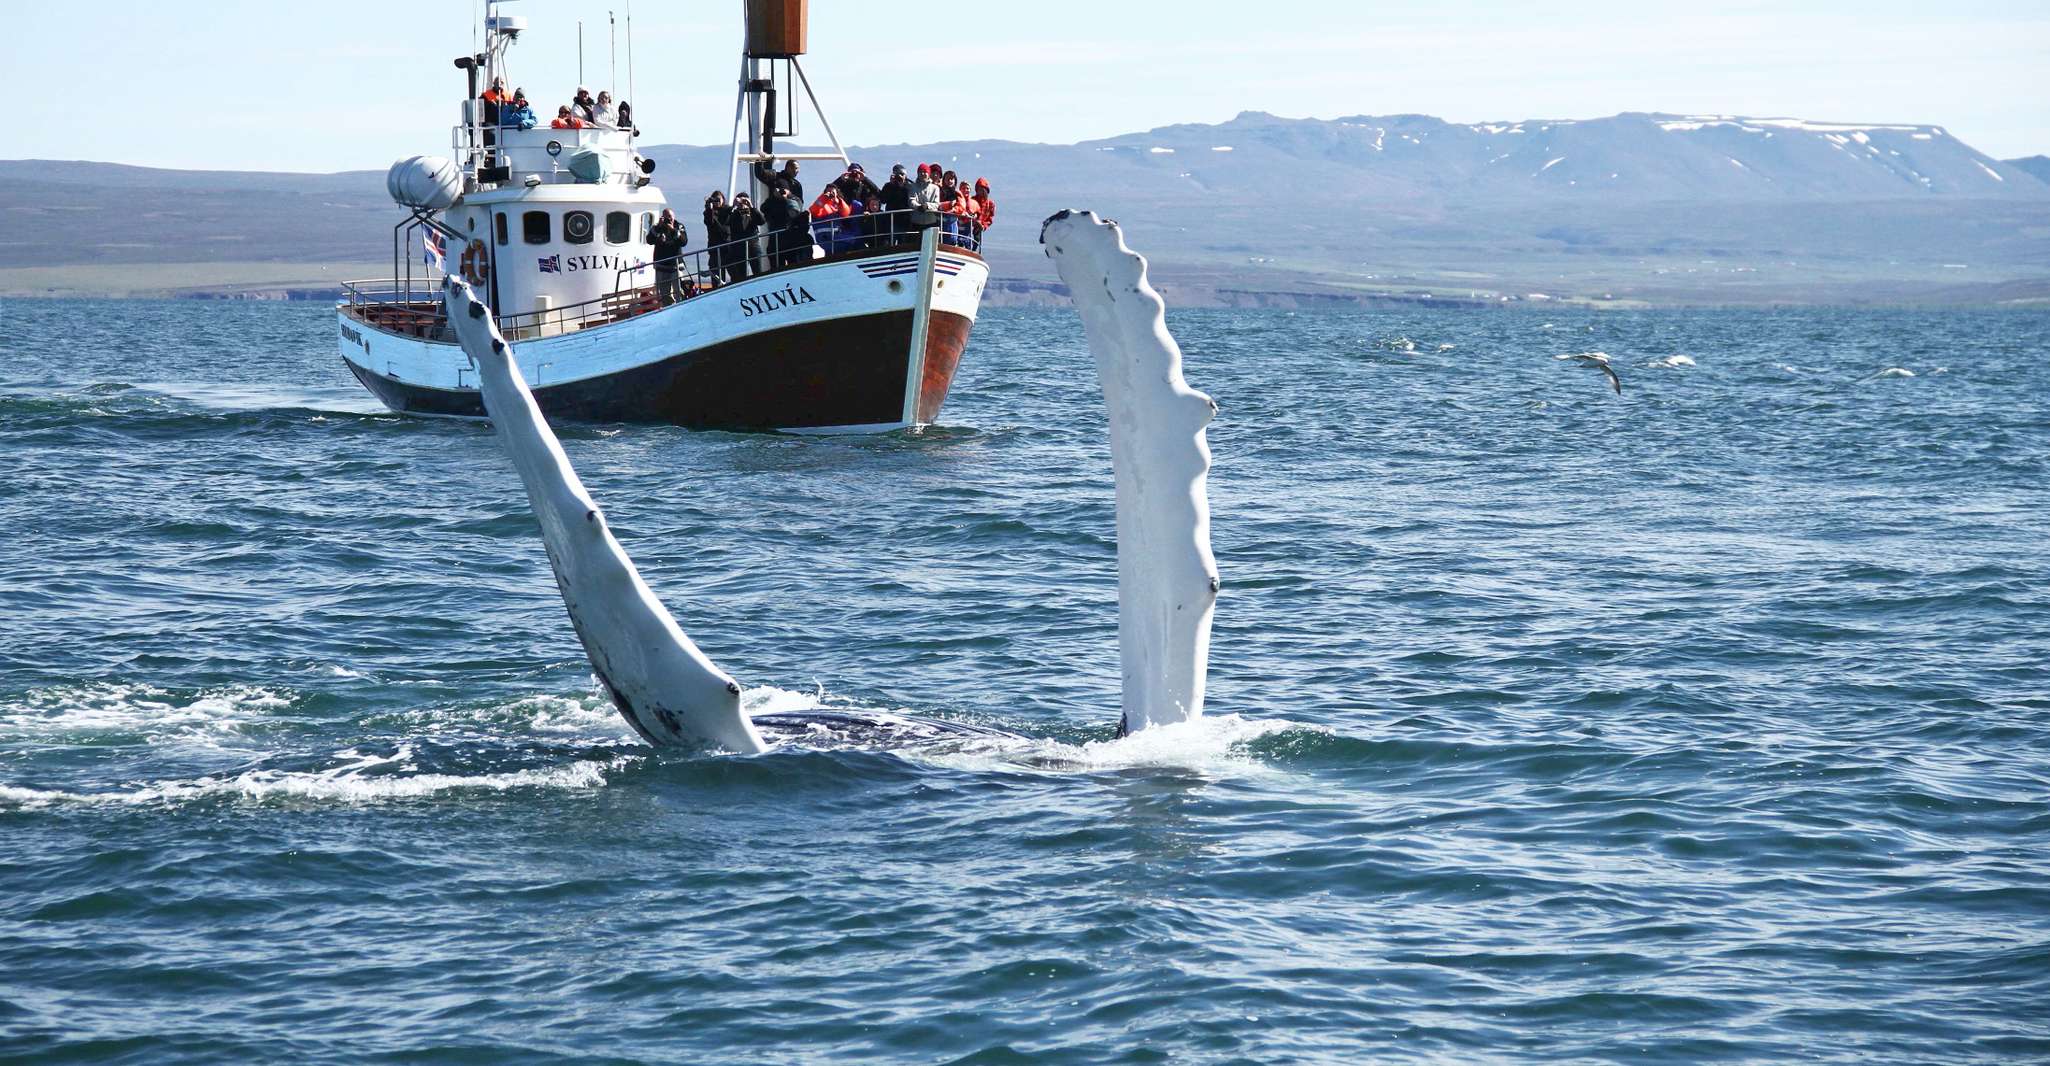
(580, 51)
(630, 49)
(612, 25)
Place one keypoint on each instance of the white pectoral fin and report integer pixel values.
(1167, 578)
(663, 685)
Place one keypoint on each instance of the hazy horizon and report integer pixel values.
(254, 87)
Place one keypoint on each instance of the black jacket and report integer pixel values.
(716, 231)
(769, 178)
(856, 190)
(742, 223)
(669, 239)
(896, 194)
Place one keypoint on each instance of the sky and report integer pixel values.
(301, 86)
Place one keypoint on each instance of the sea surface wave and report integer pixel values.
(1705, 722)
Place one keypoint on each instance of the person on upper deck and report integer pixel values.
(518, 115)
(787, 175)
(669, 238)
(603, 115)
(565, 119)
(495, 98)
(581, 104)
(626, 118)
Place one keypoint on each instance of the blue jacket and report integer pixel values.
(518, 116)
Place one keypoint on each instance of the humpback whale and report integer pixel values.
(672, 694)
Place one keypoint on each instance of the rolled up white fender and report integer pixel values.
(1167, 578)
(663, 685)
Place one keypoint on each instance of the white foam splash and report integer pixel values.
(349, 783)
(1895, 372)
(214, 717)
(1673, 362)
(1212, 744)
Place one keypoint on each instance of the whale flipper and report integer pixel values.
(663, 685)
(1167, 578)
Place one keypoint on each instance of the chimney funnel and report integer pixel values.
(776, 28)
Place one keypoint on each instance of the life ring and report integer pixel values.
(473, 263)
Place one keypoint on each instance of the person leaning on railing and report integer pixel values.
(896, 196)
(854, 185)
(826, 215)
(875, 225)
(965, 212)
(603, 115)
(517, 115)
(925, 199)
(797, 235)
(669, 238)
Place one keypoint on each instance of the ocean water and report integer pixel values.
(1705, 722)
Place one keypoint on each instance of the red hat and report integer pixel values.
(925, 168)
(982, 183)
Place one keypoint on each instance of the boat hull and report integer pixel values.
(841, 350)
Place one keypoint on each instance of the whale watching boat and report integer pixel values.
(862, 332)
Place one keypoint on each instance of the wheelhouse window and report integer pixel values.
(647, 223)
(502, 238)
(534, 227)
(619, 227)
(578, 227)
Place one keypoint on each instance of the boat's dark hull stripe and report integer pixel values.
(841, 372)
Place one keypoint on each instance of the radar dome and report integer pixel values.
(424, 182)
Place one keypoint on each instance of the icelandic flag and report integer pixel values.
(550, 264)
(435, 251)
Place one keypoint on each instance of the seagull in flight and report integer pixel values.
(1600, 361)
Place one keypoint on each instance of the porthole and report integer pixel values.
(896, 286)
(578, 227)
(619, 227)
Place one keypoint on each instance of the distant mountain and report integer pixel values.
(1648, 206)
(2037, 165)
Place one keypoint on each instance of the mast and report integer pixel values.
(776, 31)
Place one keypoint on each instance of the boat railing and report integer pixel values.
(704, 269)
(542, 151)
(412, 306)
